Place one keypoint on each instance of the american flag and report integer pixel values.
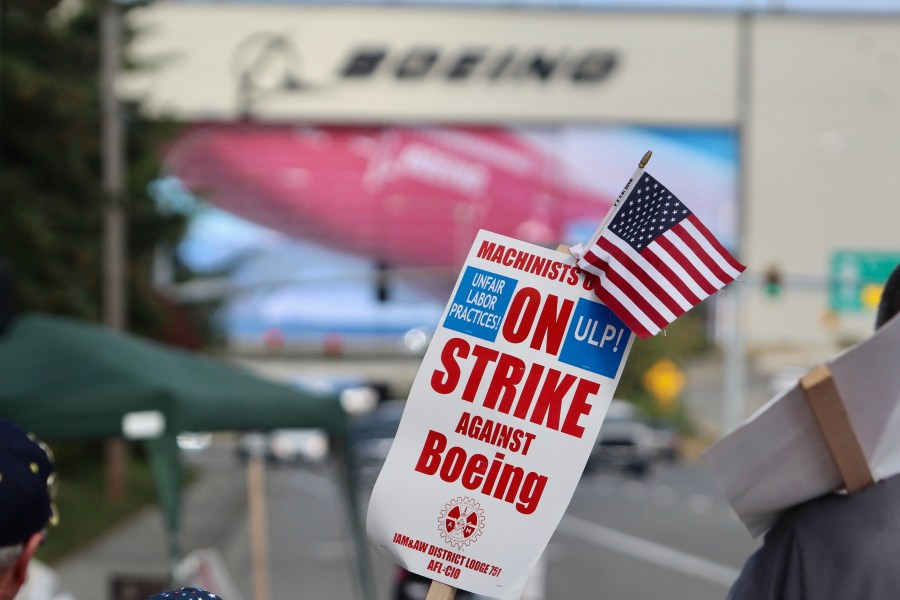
(656, 260)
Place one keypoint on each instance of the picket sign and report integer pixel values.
(442, 591)
(828, 409)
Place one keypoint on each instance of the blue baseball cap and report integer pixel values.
(27, 485)
(186, 593)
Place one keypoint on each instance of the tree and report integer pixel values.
(51, 200)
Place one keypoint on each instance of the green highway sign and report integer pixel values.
(857, 278)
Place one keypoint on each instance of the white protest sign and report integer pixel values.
(500, 420)
(778, 458)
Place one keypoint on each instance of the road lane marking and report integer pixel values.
(648, 551)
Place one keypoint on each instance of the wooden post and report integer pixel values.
(256, 500)
(440, 591)
(115, 297)
(831, 416)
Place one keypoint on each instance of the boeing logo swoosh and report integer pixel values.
(267, 63)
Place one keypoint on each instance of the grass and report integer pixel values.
(85, 513)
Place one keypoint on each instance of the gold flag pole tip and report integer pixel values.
(645, 159)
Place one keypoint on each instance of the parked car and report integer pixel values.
(666, 440)
(625, 441)
(194, 441)
(253, 443)
(298, 446)
(371, 437)
(290, 447)
(310, 446)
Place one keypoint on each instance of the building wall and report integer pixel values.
(822, 166)
(816, 100)
(664, 68)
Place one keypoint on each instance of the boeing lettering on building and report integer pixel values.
(260, 56)
(581, 66)
(446, 65)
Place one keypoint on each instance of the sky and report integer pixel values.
(827, 6)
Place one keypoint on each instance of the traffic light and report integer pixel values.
(382, 281)
(773, 282)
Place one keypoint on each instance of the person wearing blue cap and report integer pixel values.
(185, 593)
(27, 487)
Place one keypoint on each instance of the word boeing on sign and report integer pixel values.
(500, 420)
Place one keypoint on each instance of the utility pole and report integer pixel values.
(114, 247)
(735, 367)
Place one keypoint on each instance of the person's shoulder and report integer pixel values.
(833, 509)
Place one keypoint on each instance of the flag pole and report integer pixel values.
(618, 203)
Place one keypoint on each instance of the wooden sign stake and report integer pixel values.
(831, 416)
(440, 591)
(256, 502)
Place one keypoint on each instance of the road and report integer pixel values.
(670, 535)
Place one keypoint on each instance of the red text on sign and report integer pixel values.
(543, 319)
(544, 396)
(494, 433)
(493, 477)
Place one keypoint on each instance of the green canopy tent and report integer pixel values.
(64, 378)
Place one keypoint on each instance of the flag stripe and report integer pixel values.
(677, 236)
(729, 273)
(650, 269)
(626, 310)
(636, 265)
(724, 256)
(679, 274)
(688, 237)
(660, 262)
(636, 293)
(627, 286)
(692, 275)
(594, 262)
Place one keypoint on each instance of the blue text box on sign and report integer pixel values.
(479, 305)
(596, 340)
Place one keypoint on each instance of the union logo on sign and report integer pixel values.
(461, 521)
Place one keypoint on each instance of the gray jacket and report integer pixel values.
(837, 547)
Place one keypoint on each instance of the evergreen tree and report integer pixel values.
(51, 198)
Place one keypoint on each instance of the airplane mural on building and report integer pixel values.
(402, 196)
(311, 218)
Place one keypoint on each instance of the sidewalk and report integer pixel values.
(138, 548)
(309, 547)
